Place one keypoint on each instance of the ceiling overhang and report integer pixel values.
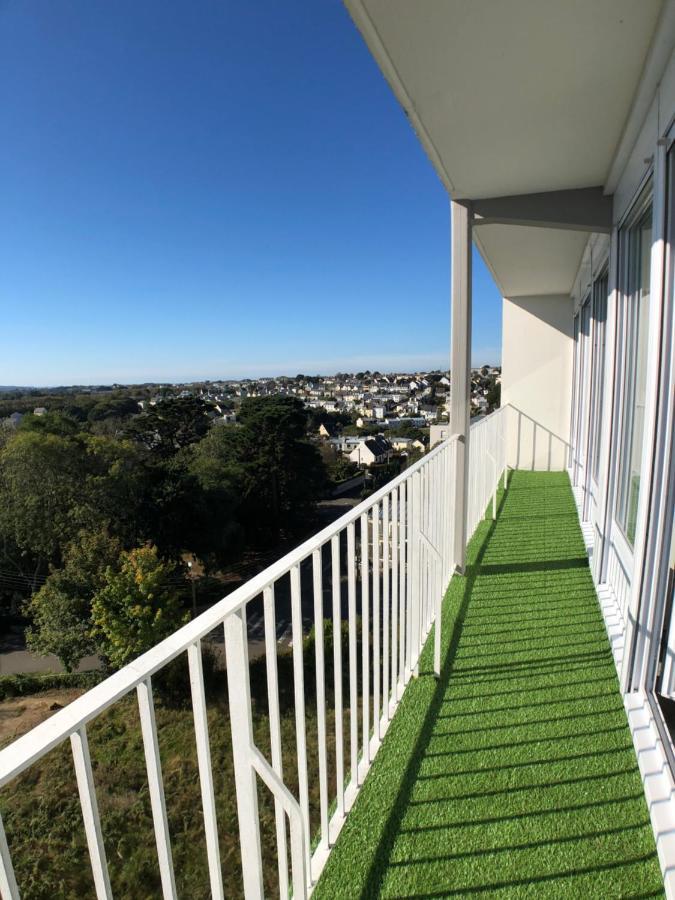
(518, 97)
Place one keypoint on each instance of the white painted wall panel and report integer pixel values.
(537, 344)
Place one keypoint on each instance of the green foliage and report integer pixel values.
(113, 408)
(283, 473)
(408, 431)
(51, 423)
(60, 612)
(120, 480)
(494, 396)
(321, 416)
(170, 425)
(341, 470)
(27, 685)
(42, 491)
(136, 607)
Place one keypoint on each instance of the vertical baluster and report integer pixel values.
(403, 587)
(415, 573)
(90, 816)
(272, 668)
(442, 519)
(8, 885)
(386, 659)
(423, 556)
(317, 564)
(337, 672)
(205, 767)
(494, 489)
(365, 638)
(438, 501)
(430, 556)
(376, 621)
(431, 599)
(394, 594)
(353, 683)
(241, 724)
(156, 788)
(299, 695)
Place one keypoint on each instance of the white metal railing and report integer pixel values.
(487, 463)
(387, 561)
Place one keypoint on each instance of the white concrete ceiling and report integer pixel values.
(531, 261)
(513, 97)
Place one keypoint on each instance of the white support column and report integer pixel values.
(460, 370)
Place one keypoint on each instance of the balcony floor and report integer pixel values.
(515, 775)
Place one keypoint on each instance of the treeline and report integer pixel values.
(95, 521)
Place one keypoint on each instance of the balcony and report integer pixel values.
(405, 760)
(515, 772)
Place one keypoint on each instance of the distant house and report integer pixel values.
(429, 412)
(406, 444)
(438, 433)
(345, 443)
(371, 451)
(14, 420)
(326, 431)
(40, 411)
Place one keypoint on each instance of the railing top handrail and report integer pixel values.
(24, 751)
(495, 412)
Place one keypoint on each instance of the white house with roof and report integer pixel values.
(371, 451)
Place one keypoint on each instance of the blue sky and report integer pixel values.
(213, 189)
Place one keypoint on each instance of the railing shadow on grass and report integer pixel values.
(414, 776)
(412, 771)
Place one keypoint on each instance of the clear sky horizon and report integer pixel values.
(203, 190)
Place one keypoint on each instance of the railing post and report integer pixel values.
(460, 369)
(239, 691)
(8, 886)
(417, 580)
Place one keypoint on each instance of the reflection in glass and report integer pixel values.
(636, 322)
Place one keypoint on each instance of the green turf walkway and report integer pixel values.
(515, 775)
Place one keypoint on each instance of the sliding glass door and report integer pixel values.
(635, 247)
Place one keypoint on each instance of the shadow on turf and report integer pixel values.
(411, 774)
(381, 859)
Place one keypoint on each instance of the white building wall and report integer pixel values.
(537, 343)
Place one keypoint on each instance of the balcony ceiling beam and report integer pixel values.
(578, 209)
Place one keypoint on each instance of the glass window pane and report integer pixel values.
(636, 273)
(600, 316)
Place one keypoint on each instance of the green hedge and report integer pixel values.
(24, 685)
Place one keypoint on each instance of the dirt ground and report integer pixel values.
(19, 714)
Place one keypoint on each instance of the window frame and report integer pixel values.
(626, 296)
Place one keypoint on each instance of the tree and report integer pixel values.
(60, 612)
(494, 395)
(408, 431)
(171, 425)
(43, 493)
(137, 607)
(50, 423)
(119, 484)
(283, 474)
(113, 408)
(196, 498)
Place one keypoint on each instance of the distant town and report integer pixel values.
(407, 411)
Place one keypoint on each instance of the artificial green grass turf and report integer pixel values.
(515, 775)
